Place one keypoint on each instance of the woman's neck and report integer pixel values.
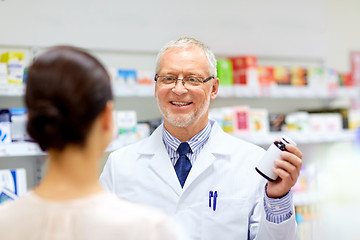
(71, 173)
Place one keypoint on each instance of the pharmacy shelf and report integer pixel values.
(135, 90)
(16, 90)
(305, 198)
(288, 92)
(17, 149)
(300, 138)
(121, 142)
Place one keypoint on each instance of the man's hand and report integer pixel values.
(288, 170)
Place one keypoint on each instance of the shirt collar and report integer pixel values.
(195, 142)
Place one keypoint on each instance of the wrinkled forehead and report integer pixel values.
(184, 59)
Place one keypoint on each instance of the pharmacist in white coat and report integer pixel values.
(192, 170)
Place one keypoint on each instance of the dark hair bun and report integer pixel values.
(46, 122)
(66, 90)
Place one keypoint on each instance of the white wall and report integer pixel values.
(269, 28)
(343, 35)
(324, 30)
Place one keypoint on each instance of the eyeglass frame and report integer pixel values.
(182, 79)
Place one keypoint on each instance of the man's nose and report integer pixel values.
(179, 87)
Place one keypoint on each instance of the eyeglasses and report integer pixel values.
(165, 81)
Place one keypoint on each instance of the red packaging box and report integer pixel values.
(266, 76)
(244, 69)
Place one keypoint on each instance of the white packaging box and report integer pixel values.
(3, 73)
(12, 184)
(259, 121)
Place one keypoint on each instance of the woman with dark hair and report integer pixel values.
(70, 104)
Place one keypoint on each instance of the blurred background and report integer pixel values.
(285, 67)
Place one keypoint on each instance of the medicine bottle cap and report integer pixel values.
(286, 139)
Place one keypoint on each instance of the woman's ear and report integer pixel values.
(107, 116)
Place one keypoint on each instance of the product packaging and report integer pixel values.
(241, 119)
(298, 76)
(282, 75)
(145, 77)
(245, 70)
(259, 121)
(266, 164)
(18, 121)
(15, 66)
(5, 126)
(3, 73)
(12, 184)
(126, 76)
(277, 122)
(126, 125)
(266, 80)
(225, 72)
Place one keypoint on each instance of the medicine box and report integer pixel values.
(298, 76)
(18, 119)
(225, 72)
(245, 70)
(259, 121)
(282, 75)
(126, 76)
(15, 66)
(3, 73)
(241, 119)
(5, 126)
(12, 184)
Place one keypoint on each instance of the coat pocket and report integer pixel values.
(229, 219)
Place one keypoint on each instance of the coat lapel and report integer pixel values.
(213, 150)
(160, 161)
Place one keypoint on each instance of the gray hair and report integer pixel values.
(189, 42)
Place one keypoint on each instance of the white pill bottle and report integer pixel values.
(266, 164)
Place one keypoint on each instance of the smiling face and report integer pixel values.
(185, 106)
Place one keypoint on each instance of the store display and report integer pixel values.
(277, 122)
(259, 121)
(297, 122)
(241, 119)
(15, 66)
(125, 124)
(126, 76)
(5, 126)
(282, 75)
(3, 73)
(225, 72)
(12, 184)
(242, 72)
(245, 70)
(355, 67)
(145, 77)
(298, 76)
(18, 121)
(325, 122)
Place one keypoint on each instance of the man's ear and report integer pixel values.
(215, 89)
(155, 91)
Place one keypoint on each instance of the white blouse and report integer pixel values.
(99, 216)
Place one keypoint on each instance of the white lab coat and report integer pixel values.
(143, 173)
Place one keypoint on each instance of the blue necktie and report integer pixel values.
(183, 165)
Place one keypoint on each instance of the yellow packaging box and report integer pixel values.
(15, 66)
